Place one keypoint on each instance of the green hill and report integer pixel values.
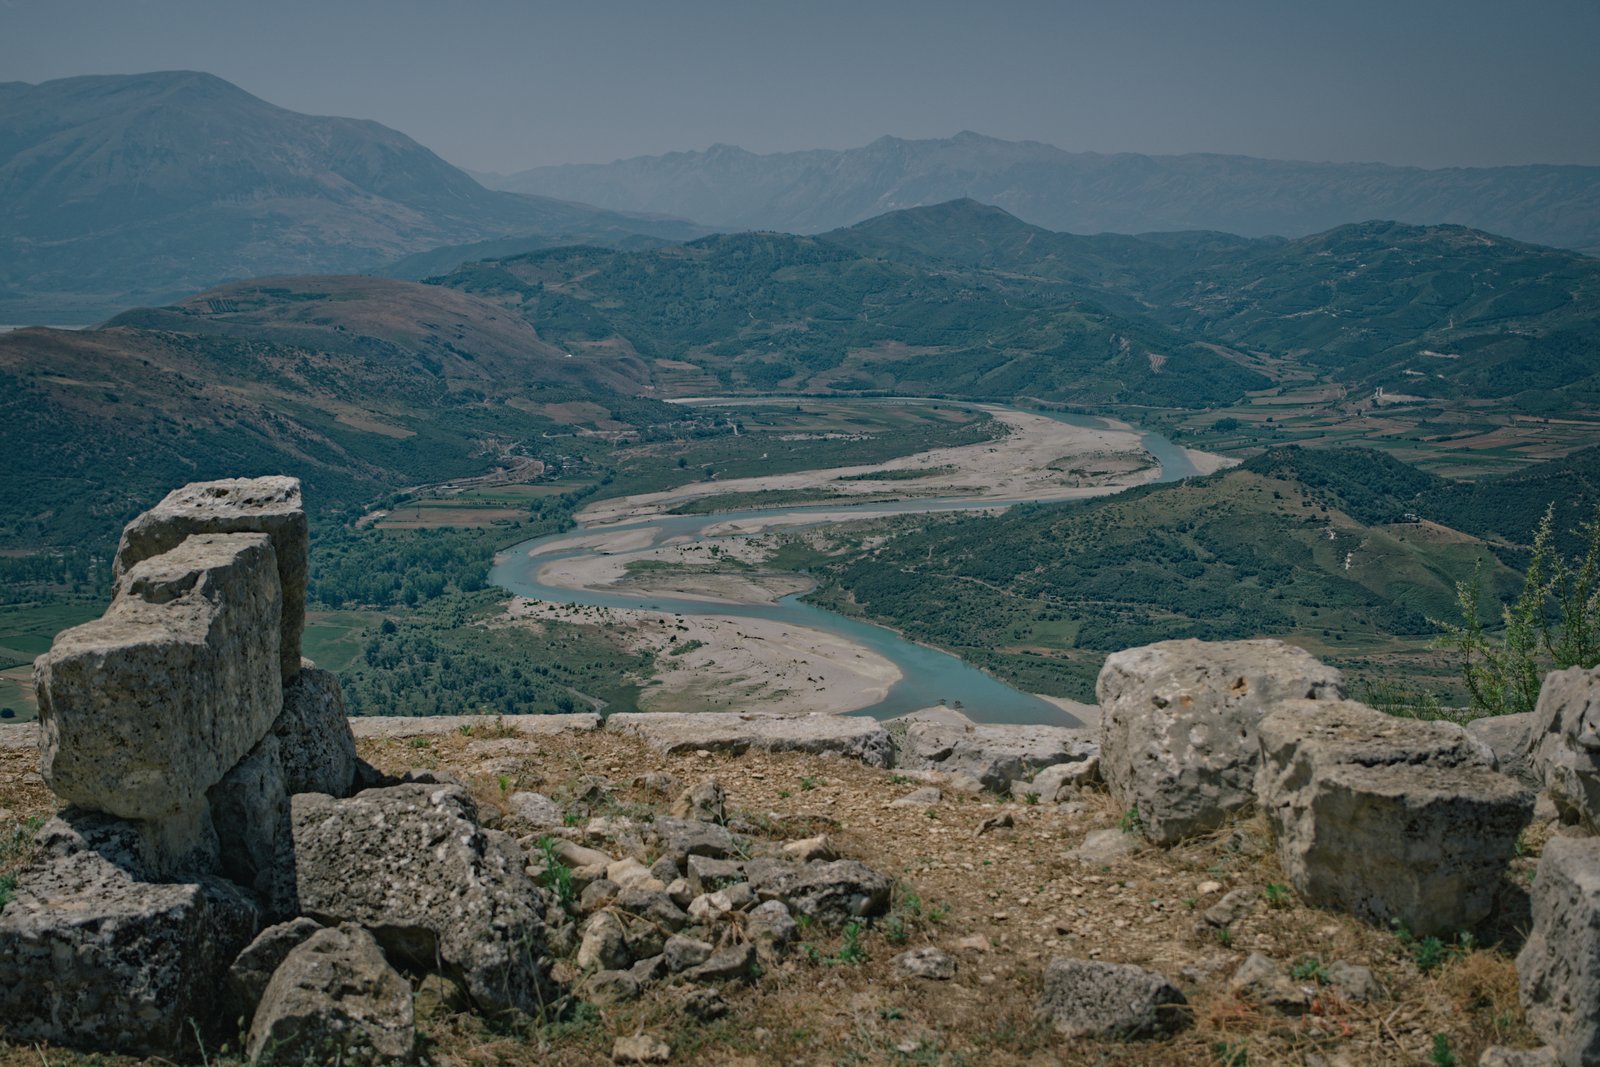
(1316, 547)
(765, 312)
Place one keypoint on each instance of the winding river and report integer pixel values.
(928, 676)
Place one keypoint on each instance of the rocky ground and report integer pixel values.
(1001, 902)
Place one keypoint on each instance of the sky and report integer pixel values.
(502, 85)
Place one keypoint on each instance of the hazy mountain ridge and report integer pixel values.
(1080, 192)
(128, 189)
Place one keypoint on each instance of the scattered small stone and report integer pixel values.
(733, 963)
(597, 894)
(928, 962)
(811, 849)
(1103, 847)
(1234, 905)
(1355, 983)
(1085, 998)
(769, 925)
(681, 953)
(536, 809)
(926, 797)
(704, 801)
(1265, 982)
(973, 943)
(705, 1005)
(605, 944)
(996, 822)
(641, 1048)
(605, 988)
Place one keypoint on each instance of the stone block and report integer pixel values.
(411, 863)
(1558, 968)
(316, 747)
(1388, 818)
(93, 956)
(336, 1000)
(1178, 726)
(270, 506)
(995, 755)
(145, 709)
(1564, 744)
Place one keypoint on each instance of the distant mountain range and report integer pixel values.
(1079, 192)
(121, 190)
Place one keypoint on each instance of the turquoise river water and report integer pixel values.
(927, 675)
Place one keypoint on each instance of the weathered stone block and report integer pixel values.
(1509, 737)
(995, 755)
(93, 956)
(250, 810)
(1564, 744)
(315, 745)
(411, 863)
(1559, 966)
(146, 708)
(1388, 818)
(1178, 726)
(853, 737)
(269, 505)
(334, 999)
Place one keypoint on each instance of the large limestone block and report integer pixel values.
(994, 755)
(854, 737)
(1178, 726)
(93, 956)
(235, 505)
(1388, 818)
(147, 707)
(1564, 744)
(1559, 966)
(250, 810)
(1509, 737)
(315, 745)
(334, 999)
(411, 863)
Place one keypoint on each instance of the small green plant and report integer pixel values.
(1224, 936)
(1277, 895)
(808, 782)
(557, 876)
(1030, 798)
(852, 951)
(1130, 823)
(899, 779)
(420, 742)
(1190, 902)
(784, 794)
(1309, 969)
(505, 783)
(1231, 1054)
(570, 818)
(1441, 1056)
(8, 888)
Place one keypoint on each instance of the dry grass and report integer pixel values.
(1015, 890)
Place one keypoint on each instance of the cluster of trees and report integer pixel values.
(451, 660)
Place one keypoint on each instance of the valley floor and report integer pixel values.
(707, 662)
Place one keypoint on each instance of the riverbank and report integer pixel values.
(731, 663)
(1036, 458)
(660, 581)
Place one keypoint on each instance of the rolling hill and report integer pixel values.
(966, 299)
(357, 385)
(1081, 192)
(121, 190)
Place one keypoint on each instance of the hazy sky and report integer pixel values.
(505, 85)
